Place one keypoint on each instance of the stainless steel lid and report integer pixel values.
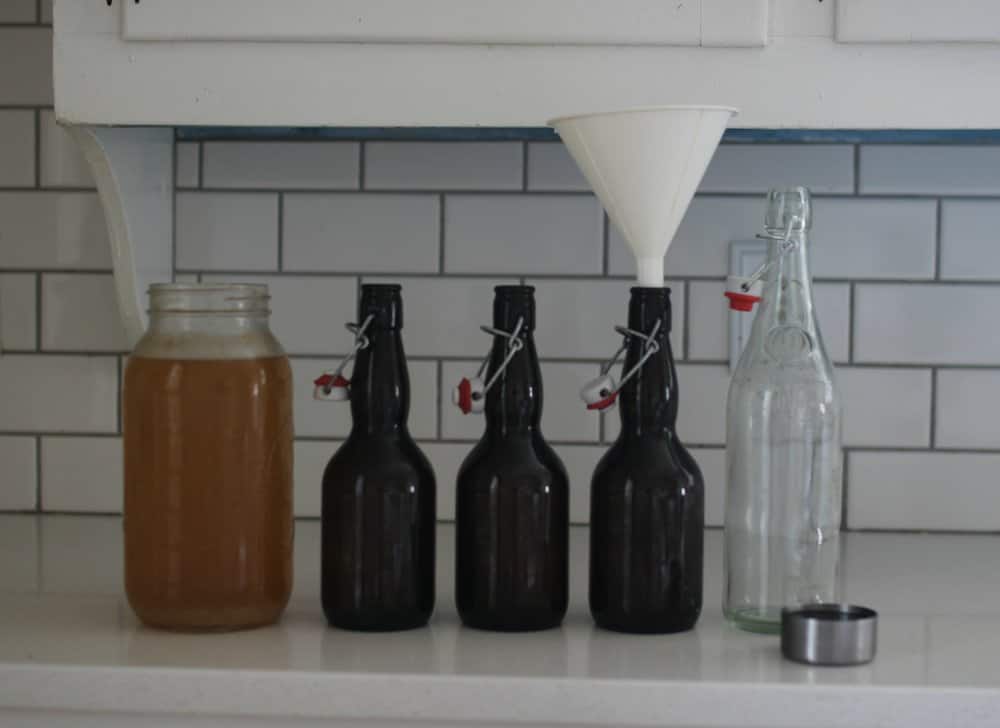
(829, 634)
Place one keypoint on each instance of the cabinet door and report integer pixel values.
(918, 21)
(548, 22)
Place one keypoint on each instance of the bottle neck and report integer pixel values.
(514, 402)
(786, 298)
(380, 385)
(648, 400)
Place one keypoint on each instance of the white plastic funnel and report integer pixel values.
(645, 165)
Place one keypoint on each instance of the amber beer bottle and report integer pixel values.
(379, 490)
(647, 496)
(512, 514)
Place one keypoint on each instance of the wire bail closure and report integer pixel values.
(470, 394)
(743, 293)
(334, 386)
(602, 393)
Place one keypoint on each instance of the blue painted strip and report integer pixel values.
(534, 134)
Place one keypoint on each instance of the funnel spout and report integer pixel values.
(645, 165)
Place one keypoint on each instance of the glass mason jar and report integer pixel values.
(207, 422)
(783, 497)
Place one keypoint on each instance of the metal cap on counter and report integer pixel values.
(829, 634)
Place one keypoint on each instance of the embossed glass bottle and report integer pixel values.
(783, 498)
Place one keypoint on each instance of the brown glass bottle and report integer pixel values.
(379, 491)
(512, 496)
(647, 497)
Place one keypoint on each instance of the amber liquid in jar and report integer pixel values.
(208, 488)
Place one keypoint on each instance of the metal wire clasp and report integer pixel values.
(333, 386)
(470, 394)
(602, 393)
(743, 293)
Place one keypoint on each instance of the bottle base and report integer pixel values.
(489, 624)
(759, 621)
(207, 621)
(645, 626)
(368, 624)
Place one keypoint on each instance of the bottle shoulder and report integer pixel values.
(516, 459)
(649, 463)
(384, 458)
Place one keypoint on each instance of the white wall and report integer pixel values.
(905, 255)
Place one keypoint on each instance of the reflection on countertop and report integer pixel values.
(61, 604)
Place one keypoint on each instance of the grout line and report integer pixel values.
(201, 165)
(38, 148)
(439, 432)
(281, 230)
(441, 226)
(524, 166)
(38, 12)
(851, 325)
(38, 313)
(362, 161)
(121, 387)
(933, 422)
(173, 212)
(38, 473)
(48, 189)
(845, 490)
(937, 241)
(686, 323)
(857, 170)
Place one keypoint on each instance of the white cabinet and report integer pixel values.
(907, 21)
(549, 22)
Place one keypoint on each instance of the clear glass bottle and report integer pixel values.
(783, 498)
(207, 421)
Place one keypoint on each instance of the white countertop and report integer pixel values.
(68, 642)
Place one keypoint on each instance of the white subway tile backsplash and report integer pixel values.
(851, 238)
(576, 318)
(26, 66)
(281, 165)
(564, 416)
(187, 165)
(526, 234)
(53, 393)
(361, 233)
(701, 245)
(227, 231)
(967, 405)
(46, 230)
(708, 320)
(443, 166)
(314, 418)
(442, 316)
(930, 169)
(311, 457)
(62, 162)
(82, 474)
(580, 461)
(20, 482)
(926, 324)
(855, 238)
(18, 11)
(18, 317)
(923, 490)
(552, 169)
(885, 407)
(823, 168)
(308, 312)
(17, 148)
(712, 462)
(80, 313)
(446, 458)
(701, 418)
(969, 248)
